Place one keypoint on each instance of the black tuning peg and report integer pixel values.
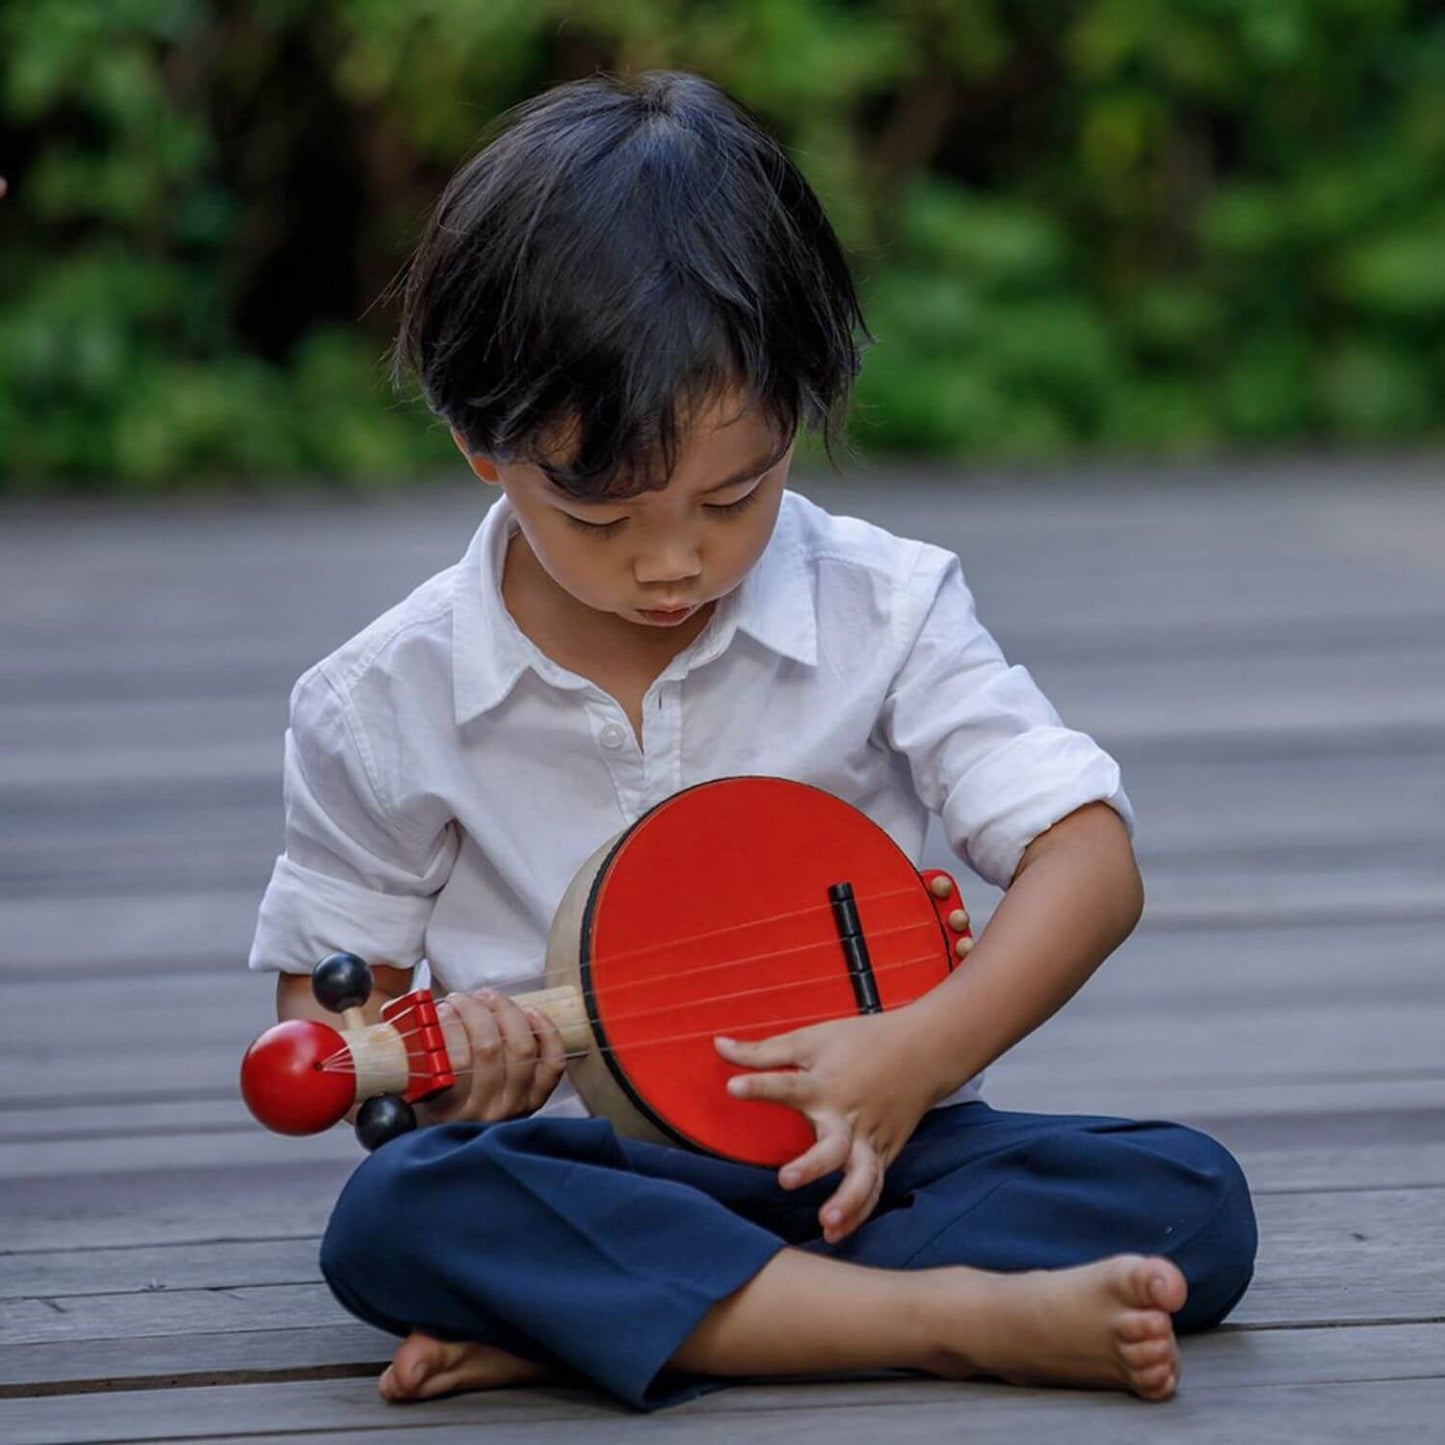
(341, 981)
(382, 1119)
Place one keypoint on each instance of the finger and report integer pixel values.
(792, 1088)
(519, 1051)
(489, 1061)
(830, 1152)
(551, 1059)
(770, 1053)
(853, 1200)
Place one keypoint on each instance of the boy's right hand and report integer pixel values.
(517, 1060)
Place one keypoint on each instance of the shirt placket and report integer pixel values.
(662, 739)
(617, 745)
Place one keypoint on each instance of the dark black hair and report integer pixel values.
(620, 250)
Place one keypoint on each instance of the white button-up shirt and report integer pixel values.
(445, 779)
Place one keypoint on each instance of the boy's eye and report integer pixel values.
(746, 500)
(595, 529)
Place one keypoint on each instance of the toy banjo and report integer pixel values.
(743, 907)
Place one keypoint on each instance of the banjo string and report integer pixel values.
(691, 938)
(342, 1060)
(818, 945)
(712, 1033)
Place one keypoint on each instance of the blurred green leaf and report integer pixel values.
(1373, 392)
(995, 243)
(1400, 274)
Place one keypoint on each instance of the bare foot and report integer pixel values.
(423, 1368)
(1101, 1325)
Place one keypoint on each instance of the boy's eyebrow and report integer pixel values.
(747, 473)
(744, 474)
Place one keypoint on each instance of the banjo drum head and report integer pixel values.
(711, 916)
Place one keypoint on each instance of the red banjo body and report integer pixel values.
(711, 915)
(744, 907)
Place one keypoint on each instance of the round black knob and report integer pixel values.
(383, 1119)
(341, 981)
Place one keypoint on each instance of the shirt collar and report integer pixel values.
(773, 605)
(488, 655)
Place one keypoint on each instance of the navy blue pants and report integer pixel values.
(559, 1241)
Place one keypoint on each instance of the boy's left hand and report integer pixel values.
(858, 1084)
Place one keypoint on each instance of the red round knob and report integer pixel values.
(284, 1085)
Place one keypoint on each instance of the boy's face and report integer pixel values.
(657, 558)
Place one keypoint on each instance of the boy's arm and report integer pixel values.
(865, 1082)
(1074, 899)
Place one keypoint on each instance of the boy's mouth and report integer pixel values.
(667, 616)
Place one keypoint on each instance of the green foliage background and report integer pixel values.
(1148, 225)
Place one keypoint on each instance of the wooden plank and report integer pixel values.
(1206, 1101)
(39, 769)
(252, 1147)
(1097, 623)
(1208, 708)
(224, 1264)
(331, 1352)
(143, 931)
(281, 1202)
(1273, 1416)
(1332, 1150)
(1194, 817)
(1379, 1042)
(152, 720)
(877, 1411)
(102, 1119)
(1355, 1257)
(1191, 974)
(1370, 1149)
(48, 934)
(1123, 699)
(1346, 1258)
(191, 1313)
(1310, 1155)
(1192, 809)
(1228, 1358)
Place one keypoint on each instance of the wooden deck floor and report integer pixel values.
(1265, 652)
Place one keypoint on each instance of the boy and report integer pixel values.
(624, 307)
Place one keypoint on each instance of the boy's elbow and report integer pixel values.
(294, 999)
(1135, 908)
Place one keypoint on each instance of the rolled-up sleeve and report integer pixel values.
(353, 876)
(988, 752)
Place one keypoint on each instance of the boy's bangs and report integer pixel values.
(624, 437)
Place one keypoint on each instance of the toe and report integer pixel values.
(417, 1360)
(1158, 1283)
(1146, 1354)
(1155, 1383)
(1136, 1325)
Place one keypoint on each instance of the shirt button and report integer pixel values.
(613, 736)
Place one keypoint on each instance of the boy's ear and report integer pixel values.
(484, 468)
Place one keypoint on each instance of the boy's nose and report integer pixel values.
(660, 568)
